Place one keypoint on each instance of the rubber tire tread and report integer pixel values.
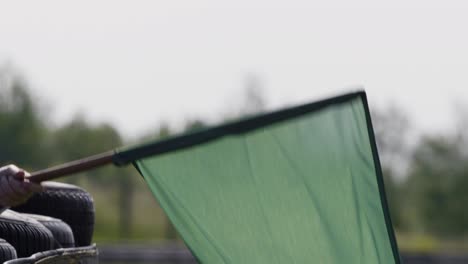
(67, 202)
(63, 235)
(26, 235)
(7, 251)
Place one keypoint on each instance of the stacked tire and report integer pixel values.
(61, 216)
(26, 235)
(62, 233)
(7, 251)
(72, 204)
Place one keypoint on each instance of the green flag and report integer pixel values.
(301, 185)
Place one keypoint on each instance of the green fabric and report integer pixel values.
(304, 190)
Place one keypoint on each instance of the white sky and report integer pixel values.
(136, 63)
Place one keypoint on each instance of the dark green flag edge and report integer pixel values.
(130, 155)
(380, 182)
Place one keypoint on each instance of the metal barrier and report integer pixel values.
(82, 255)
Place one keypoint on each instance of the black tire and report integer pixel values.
(7, 251)
(63, 235)
(26, 235)
(67, 202)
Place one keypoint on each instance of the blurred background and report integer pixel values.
(79, 78)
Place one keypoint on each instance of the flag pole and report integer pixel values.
(73, 167)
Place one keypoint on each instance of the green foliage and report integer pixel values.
(437, 185)
(194, 125)
(23, 133)
(99, 138)
(79, 138)
(430, 197)
(394, 198)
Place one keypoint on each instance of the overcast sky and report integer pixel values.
(136, 63)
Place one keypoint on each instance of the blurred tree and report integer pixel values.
(254, 98)
(251, 102)
(164, 131)
(437, 183)
(194, 125)
(23, 131)
(78, 139)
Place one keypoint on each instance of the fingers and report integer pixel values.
(19, 175)
(32, 186)
(9, 170)
(19, 193)
(15, 187)
(7, 196)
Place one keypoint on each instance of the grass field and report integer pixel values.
(148, 222)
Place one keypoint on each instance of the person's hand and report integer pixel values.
(15, 188)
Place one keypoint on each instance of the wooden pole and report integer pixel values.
(73, 167)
